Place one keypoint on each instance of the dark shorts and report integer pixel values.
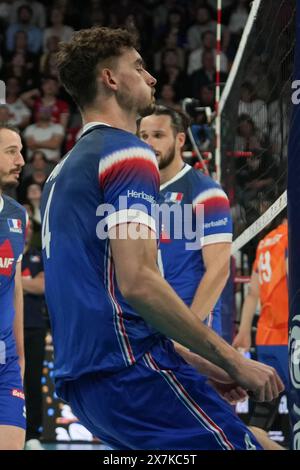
(159, 403)
(12, 400)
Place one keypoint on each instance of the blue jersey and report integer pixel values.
(94, 328)
(183, 267)
(12, 240)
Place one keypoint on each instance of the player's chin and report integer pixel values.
(148, 108)
(11, 181)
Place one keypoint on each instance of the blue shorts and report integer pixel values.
(12, 400)
(160, 403)
(277, 357)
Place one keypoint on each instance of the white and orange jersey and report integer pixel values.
(270, 265)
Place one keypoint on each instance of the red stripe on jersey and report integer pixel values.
(119, 169)
(213, 203)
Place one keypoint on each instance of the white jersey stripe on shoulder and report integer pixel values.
(1, 203)
(121, 155)
(209, 194)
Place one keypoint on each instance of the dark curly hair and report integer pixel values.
(79, 59)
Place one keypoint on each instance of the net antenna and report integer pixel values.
(218, 92)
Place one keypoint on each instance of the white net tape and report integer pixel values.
(260, 223)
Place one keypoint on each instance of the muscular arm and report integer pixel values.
(18, 320)
(35, 285)
(152, 297)
(216, 259)
(243, 338)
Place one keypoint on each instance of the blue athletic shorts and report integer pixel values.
(12, 400)
(160, 403)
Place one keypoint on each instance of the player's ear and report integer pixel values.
(108, 78)
(181, 139)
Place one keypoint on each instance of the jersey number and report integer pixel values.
(265, 269)
(46, 234)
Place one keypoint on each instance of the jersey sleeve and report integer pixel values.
(129, 179)
(214, 205)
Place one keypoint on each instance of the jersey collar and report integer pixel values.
(89, 125)
(1, 203)
(179, 175)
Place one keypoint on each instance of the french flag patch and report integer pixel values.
(15, 225)
(173, 197)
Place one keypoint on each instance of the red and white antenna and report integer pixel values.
(218, 92)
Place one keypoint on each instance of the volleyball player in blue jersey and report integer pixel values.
(12, 239)
(197, 270)
(111, 310)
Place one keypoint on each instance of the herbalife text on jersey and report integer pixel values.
(179, 221)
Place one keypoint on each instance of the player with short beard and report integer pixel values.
(12, 238)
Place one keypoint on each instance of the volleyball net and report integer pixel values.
(255, 111)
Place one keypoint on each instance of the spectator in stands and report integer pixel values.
(279, 120)
(255, 108)
(5, 12)
(58, 28)
(38, 17)
(170, 42)
(238, 18)
(59, 108)
(167, 97)
(248, 138)
(4, 113)
(48, 59)
(176, 25)
(19, 112)
(206, 76)
(33, 197)
(35, 326)
(35, 173)
(44, 135)
(171, 74)
(254, 174)
(17, 67)
(209, 42)
(203, 23)
(160, 16)
(34, 34)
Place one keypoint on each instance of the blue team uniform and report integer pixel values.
(184, 268)
(12, 239)
(122, 378)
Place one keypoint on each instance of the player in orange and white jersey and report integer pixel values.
(269, 286)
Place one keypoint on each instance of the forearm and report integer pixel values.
(200, 364)
(248, 312)
(33, 286)
(158, 304)
(207, 296)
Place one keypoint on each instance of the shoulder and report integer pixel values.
(14, 209)
(14, 204)
(120, 145)
(204, 187)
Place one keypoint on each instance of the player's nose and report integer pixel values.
(151, 81)
(20, 160)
